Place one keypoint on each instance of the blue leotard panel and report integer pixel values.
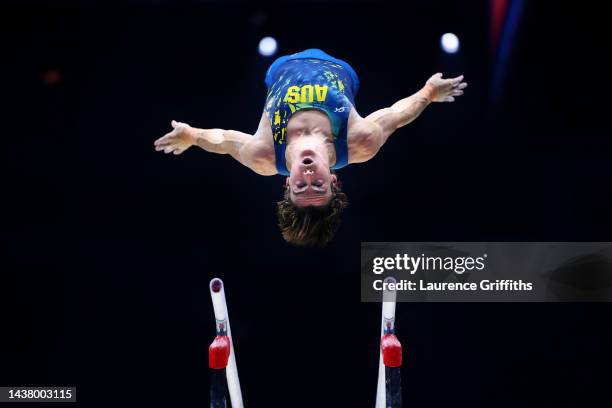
(310, 79)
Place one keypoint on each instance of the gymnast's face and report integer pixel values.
(310, 182)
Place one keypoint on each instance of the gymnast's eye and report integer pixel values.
(300, 184)
(318, 183)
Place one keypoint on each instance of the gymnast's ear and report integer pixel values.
(286, 182)
(334, 180)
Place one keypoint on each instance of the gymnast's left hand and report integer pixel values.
(180, 139)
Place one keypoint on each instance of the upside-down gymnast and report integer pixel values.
(308, 128)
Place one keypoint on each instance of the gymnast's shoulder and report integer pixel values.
(363, 138)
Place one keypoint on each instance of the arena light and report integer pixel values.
(449, 43)
(267, 46)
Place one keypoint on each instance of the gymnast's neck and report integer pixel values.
(313, 144)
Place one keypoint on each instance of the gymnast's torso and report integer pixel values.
(321, 91)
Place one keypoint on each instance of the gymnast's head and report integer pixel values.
(309, 213)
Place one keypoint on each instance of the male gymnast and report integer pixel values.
(308, 128)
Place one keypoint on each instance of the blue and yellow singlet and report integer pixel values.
(310, 79)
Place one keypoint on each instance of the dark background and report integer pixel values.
(108, 246)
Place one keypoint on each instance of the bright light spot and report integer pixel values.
(449, 43)
(267, 46)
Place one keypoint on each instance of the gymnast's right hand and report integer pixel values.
(445, 90)
(180, 139)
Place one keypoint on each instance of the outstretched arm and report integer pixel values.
(245, 148)
(373, 131)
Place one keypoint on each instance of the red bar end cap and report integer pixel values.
(391, 350)
(219, 352)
